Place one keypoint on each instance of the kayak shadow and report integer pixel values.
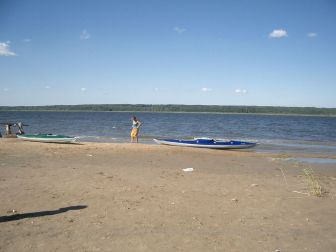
(72, 143)
(16, 217)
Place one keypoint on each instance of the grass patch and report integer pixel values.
(314, 185)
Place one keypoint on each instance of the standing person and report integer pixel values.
(135, 129)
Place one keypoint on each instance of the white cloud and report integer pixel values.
(5, 49)
(27, 40)
(179, 30)
(47, 87)
(6, 89)
(85, 35)
(311, 35)
(206, 89)
(244, 91)
(156, 89)
(280, 33)
(83, 89)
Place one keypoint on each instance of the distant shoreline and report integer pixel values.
(171, 108)
(174, 112)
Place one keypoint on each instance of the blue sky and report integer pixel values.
(236, 52)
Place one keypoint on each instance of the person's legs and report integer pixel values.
(134, 135)
(137, 135)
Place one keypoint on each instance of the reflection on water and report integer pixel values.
(305, 134)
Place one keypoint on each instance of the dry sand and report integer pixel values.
(134, 197)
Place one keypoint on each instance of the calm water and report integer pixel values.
(274, 133)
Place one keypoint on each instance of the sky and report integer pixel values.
(225, 52)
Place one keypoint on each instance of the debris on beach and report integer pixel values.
(188, 169)
(13, 211)
(234, 200)
(89, 155)
(254, 185)
(301, 192)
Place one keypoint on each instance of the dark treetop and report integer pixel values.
(177, 108)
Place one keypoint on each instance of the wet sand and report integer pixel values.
(134, 197)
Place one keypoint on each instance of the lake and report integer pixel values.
(275, 133)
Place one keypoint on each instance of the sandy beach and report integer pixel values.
(135, 197)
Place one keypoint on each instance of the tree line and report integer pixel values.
(178, 108)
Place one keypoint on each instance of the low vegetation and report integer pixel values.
(178, 108)
(314, 186)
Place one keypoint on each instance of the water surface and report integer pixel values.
(275, 133)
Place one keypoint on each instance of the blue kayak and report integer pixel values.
(207, 143)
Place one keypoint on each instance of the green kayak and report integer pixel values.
(48, 138)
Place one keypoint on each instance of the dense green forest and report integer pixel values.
(177, 108)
